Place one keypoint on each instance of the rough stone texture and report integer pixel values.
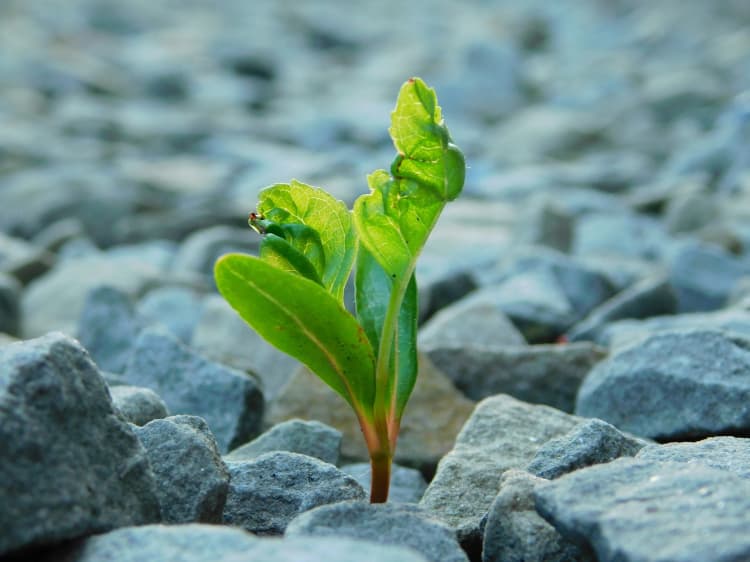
(541, 374)
(138, 405)
(70, 465)
(192, 480)
(223, 336)
(725, 453)
(310, 438)
(228, 400)
(469, 323)
(54, 301)
(391, 524)
(213, 543)
(632, 510)
(591, 442)
(692, 383)
(265, 494)
(407, 484)
(652, 296)
(501, 434)
(108, 327)
(433, 417)
(515, 532)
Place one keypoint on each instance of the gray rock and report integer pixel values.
(703, 276)
(223, 336)
(407, 484)
(389, 524)
(630, 510)
(22, 260)
(545, 223)
(690, 211)
(108, 327)
(439, 288)
(501, 434)
(540, 374)
(652, 296)
(71, 466)
(515, 532)
(200, 250)
(265, 494)
(533, 301)
(10, 293)
(55, 300)
(692, 383)
(622, 234)
(310, 438)
(138, 405)
(192, 480)
(54, 236)
(592, 442)
(176, 308)
(624, 332)
(469, 322)
(213, 543)
(724, 453)
(228, 400)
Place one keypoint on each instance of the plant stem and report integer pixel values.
(380, 465)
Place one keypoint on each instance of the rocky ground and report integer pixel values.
(584, 386)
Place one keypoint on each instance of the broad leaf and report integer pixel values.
(301, 318)
(395, 218)
(313, 223)
(373, 291)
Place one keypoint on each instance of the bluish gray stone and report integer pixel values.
(200, 250)
(10, 293)
(407, 484)
(703, 276)
(214, 543)
(176, 308)
(138, 405)
(515, 532)
(71, 466)
(192, 480)
(591, 442)
(622, 234)
(266, 493)
(653, 296)
(390, 524)
(108, 327)
(692, 384)
(228, 400)
(469, 322)
(724, 453)
(22, 260)
(540, 374)
(501, 434)
(311, 438)
(632, 510)
(223, 336)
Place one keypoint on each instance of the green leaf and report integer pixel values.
(394, 220)
(301, 318)
(316, 225)
(373, 289)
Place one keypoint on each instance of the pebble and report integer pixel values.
(266, 493)
(71, 466)
(138, 405)
(192, 480)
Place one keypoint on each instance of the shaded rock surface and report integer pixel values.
(192, 480)
(71, 466)
(693, 383)
(228, 400)
(390, 524)
(138, 405)
(645, 510)
(266, 493)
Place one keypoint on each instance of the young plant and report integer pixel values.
(292, 294)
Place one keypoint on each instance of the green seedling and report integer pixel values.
(293, 293)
